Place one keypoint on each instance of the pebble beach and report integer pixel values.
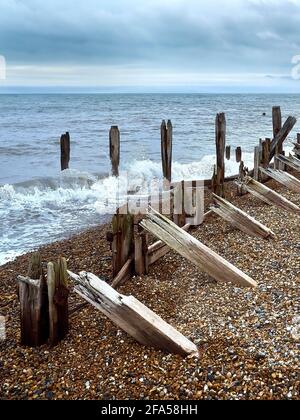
(249, 339)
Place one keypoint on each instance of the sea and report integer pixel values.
(40, 204)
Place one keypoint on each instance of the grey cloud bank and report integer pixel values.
(150, 43)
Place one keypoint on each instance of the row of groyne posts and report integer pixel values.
(138, 241)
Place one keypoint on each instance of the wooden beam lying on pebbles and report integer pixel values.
(196, 252)
(132, 316)
(240, 219)
(283, 178)
(290, 161)
(269, 196)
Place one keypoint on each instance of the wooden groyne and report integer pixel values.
(139, 241)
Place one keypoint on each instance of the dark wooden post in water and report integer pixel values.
(58, 294)
(277, 120)
(220, 147)
(34, 305)
(166, 149)
(122, 241)
(65, 149)
(114, 149)
(228, 152)
(238, 154)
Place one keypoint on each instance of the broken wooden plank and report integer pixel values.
(196, 252)
(240, 219)
(281, 136)
(283, 178)
(269, 196)
(290, 161)
(132, 316)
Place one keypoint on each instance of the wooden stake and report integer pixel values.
(114, 147)
(228, 152)
(166, 149)
(238, 154)
(123, 241)
(256, 162)
(58, 294)
(65, 150)
(220, 147)
(34, 305)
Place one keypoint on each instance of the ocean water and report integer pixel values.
(39, 204)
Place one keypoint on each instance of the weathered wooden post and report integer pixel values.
(122, 240)
(256, 163)
(238, 154)
(243, 171)
(65, 150)
(58, 294)
(166, 149)
(297, 147)
(179, 214)
(141, 252)
(265, 153)
(114, 149)
(220, 147)
(277, 120)
(228, 152)
(34, 305)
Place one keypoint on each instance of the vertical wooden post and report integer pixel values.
(166, 149)
(179, 205)
(228, 152)
(58, 294)
(114, 149)
(65, 150)
(34, 305)
(297, 147)
(238, 154)
(141, 252)
(266, 146)
(242, 173)
(220, 146)
(277, 125)
(256, 163)
(122, 240)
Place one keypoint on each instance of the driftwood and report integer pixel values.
(281, 136)
(196, 252)
(269, 196)
(290, 161)
(166, 149)
(114, 149)
(65, 150)
(283, 178)
(220, 147)
(58, 293)
(132, 316)
(32, 292)
(240, 219)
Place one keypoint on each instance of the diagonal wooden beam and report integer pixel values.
(196, 252)
(269, 196)
(283, 178)
(290, 161)
(281, 136)
(240, 219)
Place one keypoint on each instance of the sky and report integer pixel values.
(150, 45)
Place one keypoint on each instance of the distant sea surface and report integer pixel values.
(39, 205)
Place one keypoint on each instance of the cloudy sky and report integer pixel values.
(188, 45)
